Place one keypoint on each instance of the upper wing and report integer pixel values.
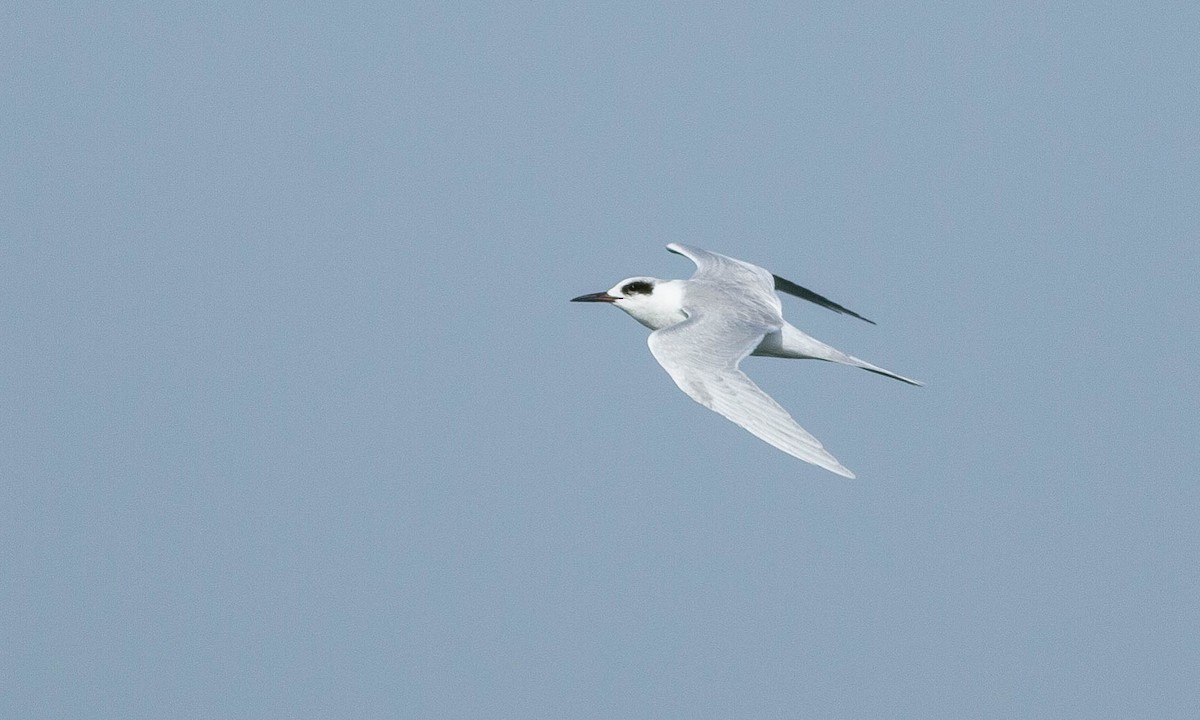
(791, 288)
(702, 353)
(713, 265)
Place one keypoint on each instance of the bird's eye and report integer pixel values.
(637, 287)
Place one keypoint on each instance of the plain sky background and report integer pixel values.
(296, 420)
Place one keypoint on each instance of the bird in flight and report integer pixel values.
(705, 326)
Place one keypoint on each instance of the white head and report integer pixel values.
(652, 302)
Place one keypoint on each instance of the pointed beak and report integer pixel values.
(596, 297)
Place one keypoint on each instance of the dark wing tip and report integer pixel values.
(791, 288)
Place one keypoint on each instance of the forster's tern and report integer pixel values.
(704, 326)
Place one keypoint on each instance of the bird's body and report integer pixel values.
(704, 327)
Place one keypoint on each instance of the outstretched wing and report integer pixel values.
(713, 265)
(702, 353)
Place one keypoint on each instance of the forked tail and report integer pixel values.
(789, 342)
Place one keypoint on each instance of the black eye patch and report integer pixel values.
(637, 287)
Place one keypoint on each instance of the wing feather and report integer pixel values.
(702, 353)
(713, 265)
(791, 288)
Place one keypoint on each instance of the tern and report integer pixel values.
(705, 326)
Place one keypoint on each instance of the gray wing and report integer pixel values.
(710, 265)
(701, 354)
(713, 266)
(730, 288)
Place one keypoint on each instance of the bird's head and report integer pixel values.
(652, 302)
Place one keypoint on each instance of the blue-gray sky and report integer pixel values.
(296, 420)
